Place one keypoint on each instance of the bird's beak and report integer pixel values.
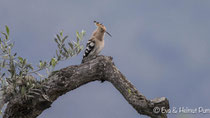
(109, 34)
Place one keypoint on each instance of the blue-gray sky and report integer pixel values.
(162, 47)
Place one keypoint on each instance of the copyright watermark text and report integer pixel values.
(186, 110)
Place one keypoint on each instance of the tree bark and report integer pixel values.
(67, 79)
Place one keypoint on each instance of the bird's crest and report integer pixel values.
(102, 27)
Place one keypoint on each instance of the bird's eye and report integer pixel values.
(102, 30)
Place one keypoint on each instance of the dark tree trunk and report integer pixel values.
(72, 77)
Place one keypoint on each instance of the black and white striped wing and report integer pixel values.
(89, 48)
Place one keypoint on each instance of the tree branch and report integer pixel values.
(72, 77)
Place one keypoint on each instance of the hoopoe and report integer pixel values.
(96, 43)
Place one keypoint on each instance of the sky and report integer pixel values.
(161, 46)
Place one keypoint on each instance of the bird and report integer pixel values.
(96, 42)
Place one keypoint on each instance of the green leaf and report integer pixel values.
(63, 45)
(57, 53)
(40, 64)
(56, 40)
(83, 33)
(24, 61)
(78, 40)
(71, 54)
(4, 63)
(71, 45)
(6, 36)
(45, 63)
(77, 33)
(79, 51)
(74, 43)
(61, 33)
(64, 39)
(3, 75)
(66, 51)
(78, 36)
(20, 59)
(30, 66)
(58, 37)
(7, 30)
(53, 62)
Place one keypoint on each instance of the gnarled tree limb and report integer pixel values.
(72, 77)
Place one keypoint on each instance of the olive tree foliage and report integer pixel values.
(17, 74)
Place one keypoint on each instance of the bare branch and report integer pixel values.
(72, 77)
